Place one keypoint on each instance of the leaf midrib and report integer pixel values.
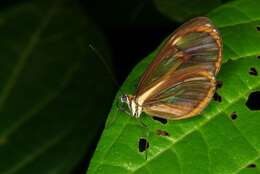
(22, 60)
(176, 140)
(207, 120)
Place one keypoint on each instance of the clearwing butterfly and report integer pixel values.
(180, 81)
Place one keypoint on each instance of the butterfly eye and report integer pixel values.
(123, 99)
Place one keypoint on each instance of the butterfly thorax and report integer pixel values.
(134, 107)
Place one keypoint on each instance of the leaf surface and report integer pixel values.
(214, 142)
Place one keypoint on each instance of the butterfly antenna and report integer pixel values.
(102, 59)
(146, 146)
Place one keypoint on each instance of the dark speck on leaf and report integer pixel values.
(253, 72)
(162, 120)
(252, 165)
(162, 132)
(217, 97)
(258, 56)
(234, 115)
(258, 28)
(143, 144)
(253, 101)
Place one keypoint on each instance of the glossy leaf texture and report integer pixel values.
(47, 88)
(223, 139)
(182, 10)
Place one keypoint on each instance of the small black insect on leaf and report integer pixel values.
(219, 84)
(251, 165)
(162, 120)
(143, 144)
(233, 115)
(162, 132)
(253, 71)
(258, 28)
(217, 97)
(253, 101)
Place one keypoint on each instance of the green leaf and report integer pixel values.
(238, 22)
(214, 142)
(181, 10)
(51, 83)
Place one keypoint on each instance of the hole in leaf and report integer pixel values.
(258, 28)
(217, 97)
(143, 144)
(162, 132)
(162, 120)
(253, 72)
(219, 84)
(252, 165)
(253, 101)
(233, 115)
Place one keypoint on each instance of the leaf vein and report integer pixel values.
(20, 64)
(207, 120)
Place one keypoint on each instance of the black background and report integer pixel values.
(133, 30)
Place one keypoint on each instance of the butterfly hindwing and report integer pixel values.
(182, 97)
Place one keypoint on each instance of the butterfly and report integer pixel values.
(181, 80)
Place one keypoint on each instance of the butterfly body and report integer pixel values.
(180, 81)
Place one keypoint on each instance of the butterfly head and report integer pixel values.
(134, 108)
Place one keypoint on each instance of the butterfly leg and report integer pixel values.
(120, 109)
(124, 110)
(147, 135)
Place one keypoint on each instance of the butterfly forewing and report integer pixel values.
(180, 81)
